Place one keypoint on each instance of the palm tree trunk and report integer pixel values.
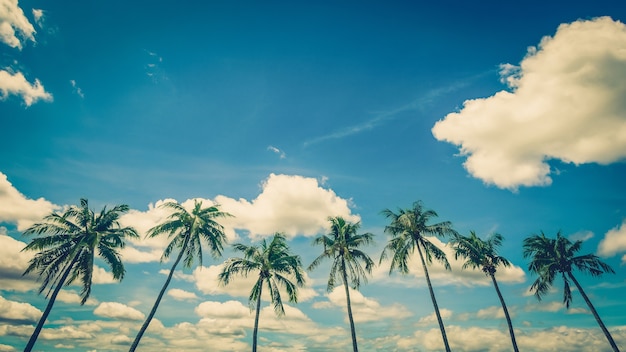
(345, 285)
(158, 300)
(42, 320)
(256, 318)
(506, 312)
(595, 314)
(432, 296)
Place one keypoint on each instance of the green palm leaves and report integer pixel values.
(482, 254)
(276, 267)
(552, 257)
(67, 246)
(341, 245)
(410, 230)
(187, 230)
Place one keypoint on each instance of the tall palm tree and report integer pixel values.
(341, 245)
(409, 229)
(276, 267)
(483, 254)
(187, 230)
(550, 257)
(67, 249)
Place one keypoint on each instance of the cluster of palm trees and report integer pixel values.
(68, 243)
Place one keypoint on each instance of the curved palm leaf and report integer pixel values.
(276, 267)
(550, 257)
(349, 263)
(67, 247)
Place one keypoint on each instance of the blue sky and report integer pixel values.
(503, 118)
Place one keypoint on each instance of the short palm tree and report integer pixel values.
(409, 229)
(67, 249)
(188, 230)
(276, 267)
(550, 257)
(351, 264)
(483, 254)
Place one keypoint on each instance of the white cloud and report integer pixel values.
(581, 236)
(431, 319)
(18, 311)
(565, 102)
(544, 307)
(116, 310)
(182, 295)
(277, 151)
(363, 309)
(38, 17)
(295, 205)
(77, 89)
(12, 23)
(224, 310)
(614, 242)
(16, 84)
(491, 312)
(456, 276)
(15, 208)
(70, 296)
(13, 262)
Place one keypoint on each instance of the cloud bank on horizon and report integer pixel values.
(565, 103)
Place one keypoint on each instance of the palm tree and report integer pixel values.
(409, 229)
(188, 230)
(67, 249)
(276, 267)
(550, 257)
(341, 245)
(483, 254)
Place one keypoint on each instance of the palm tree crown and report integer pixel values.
(68, 248)
(188, 230)
(276, 267)
(552, 257)
(410, 229)
(483, 254)
(351, 264)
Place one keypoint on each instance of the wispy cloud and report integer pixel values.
(77, 89)
(381, 117)
(277, 151)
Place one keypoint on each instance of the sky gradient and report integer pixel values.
(500, 117)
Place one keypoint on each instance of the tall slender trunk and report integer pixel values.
(432, 296)
(51, 300)
(256, 318)
(506, 312)
(595, 314)
(158, 300)
(345, 285)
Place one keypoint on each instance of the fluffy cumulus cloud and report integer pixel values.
(614, 242)
(476, 339)
(456, 276)
(15, 208)
(13, 262)
(17, 84)
(18, 312)
(292, 204)
(182, 295)
(115, 310)
(364, 309)
(14, 25)
(565, 102)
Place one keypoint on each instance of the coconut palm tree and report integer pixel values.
(352, 265)
(187, 230)
(67, 248)
(276, 267)
(410, 230)
(550, 257)
(483, 254)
